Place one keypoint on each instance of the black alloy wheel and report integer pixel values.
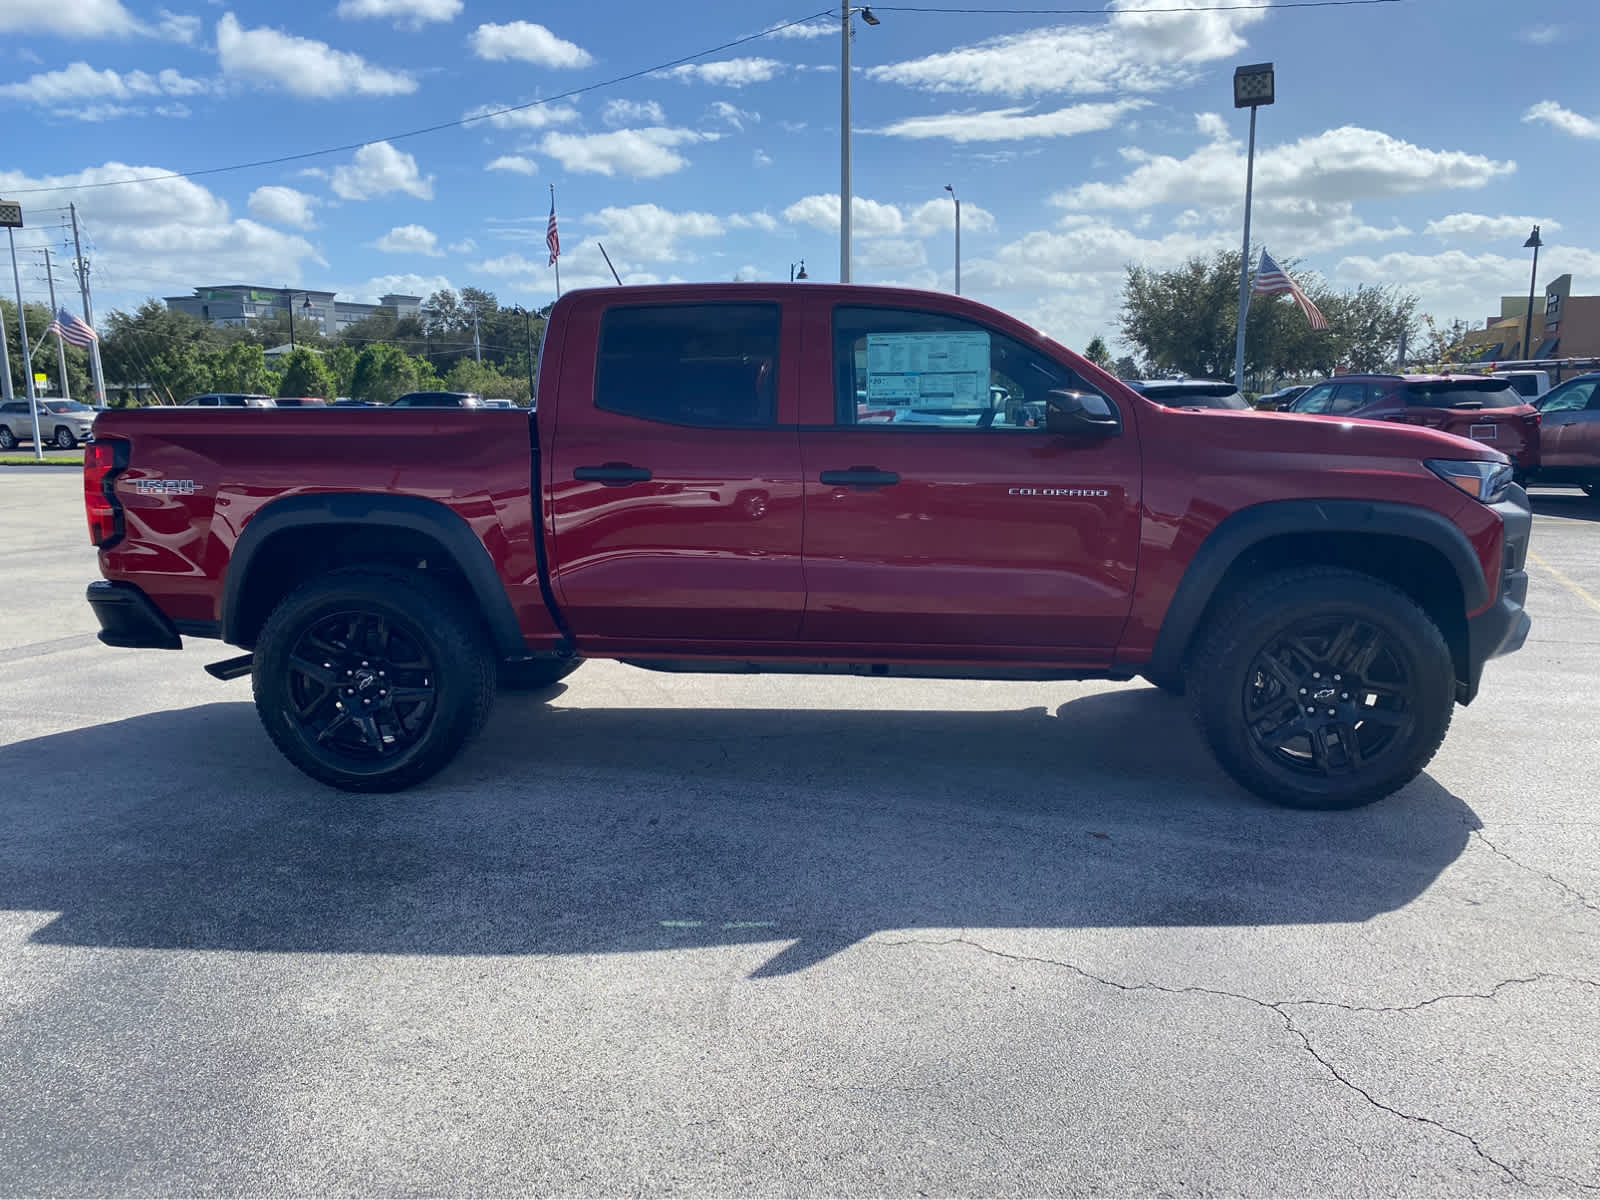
(1321, 687)
(1325, 696)
(372, 680)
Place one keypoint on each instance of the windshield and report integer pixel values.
(1463, 393)
(1195, 395)
(64, 406)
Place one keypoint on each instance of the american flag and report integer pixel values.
(552, 238)
(72, 329)
(1272, 280)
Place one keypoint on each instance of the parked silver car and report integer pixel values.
(229, 400)
(62, 423)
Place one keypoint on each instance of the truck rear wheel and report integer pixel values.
(1322, 688)
(372, 681)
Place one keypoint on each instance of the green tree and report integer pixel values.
(159, 349)
(241, 367)
(341, 364)
(305, 374)
(486, 380)
(1097, 353)
(382, 374)
(45, 360)
(1126, 368)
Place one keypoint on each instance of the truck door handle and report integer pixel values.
(859, 477)
(613, 474)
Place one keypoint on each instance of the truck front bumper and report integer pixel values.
(1503, 626)
(129, 618)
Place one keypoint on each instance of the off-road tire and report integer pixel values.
(536, 675)
(1253, 627)
(411, 611)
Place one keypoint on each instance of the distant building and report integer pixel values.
(242, 303)
(1563, 326)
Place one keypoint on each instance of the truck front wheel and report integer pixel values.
(1322, 688)
(372, 681)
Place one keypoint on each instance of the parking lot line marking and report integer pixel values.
(1572, 585)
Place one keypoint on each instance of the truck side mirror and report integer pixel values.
(1081, 414)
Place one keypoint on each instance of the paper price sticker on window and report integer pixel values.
(944, 370)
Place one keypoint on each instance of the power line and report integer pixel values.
(411, 133)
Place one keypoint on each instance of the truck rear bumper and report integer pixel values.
(129, 618)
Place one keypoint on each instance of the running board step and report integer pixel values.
(231, 668)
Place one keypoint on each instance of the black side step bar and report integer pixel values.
(231, 668)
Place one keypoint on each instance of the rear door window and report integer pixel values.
(1347, 397)
(1459, 393)
(1316, 400)
(711, 365)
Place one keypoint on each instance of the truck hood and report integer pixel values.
(1301, 433)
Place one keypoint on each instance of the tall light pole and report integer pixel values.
(1253, 86)
(949, 188)
(527, 329)
(288, 303)
(11, 218)
(846, 11)
(1533, 243)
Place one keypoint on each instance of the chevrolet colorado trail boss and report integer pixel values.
(699, 490)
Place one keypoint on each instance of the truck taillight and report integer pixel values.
(102, 461)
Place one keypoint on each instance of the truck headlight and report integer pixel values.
(1483, 481)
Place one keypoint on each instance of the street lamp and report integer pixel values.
(288, 303)
(1253, 86)
(527, 327)
(844, 137)
(1532, 243)
(802, 276)
(957, 199)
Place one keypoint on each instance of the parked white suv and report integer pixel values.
(1528, 384)
(62, 423)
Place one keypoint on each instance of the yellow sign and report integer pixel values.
(40, 380)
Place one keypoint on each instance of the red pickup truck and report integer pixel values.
(698, 491)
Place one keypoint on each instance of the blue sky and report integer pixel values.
(1413, 143)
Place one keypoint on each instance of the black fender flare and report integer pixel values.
(412, 513)
(1248, 527)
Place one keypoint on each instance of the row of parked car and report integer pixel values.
(1551, 436)
(409, 400)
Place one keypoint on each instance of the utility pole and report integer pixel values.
(80, 268)
(61, 346)
(477, 344)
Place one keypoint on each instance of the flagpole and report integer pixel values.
(1244, 260)
(61, 346)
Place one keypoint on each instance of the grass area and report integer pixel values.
(52, 458)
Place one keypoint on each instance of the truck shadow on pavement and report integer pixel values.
(588, 830)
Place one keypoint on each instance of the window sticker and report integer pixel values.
(928, 370)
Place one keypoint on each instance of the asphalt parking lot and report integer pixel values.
(700, 934)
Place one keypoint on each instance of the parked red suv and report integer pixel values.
(1479, 407)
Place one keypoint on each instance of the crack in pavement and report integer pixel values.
(1545, 875)
(1277, 1007)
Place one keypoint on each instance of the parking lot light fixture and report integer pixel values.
(1533, 243)
(1253, 86)
(847, 11)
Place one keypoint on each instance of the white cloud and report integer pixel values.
(301, 66)
(761, 159)
(165, 235)
(1014, 124)
(410, 239)
(806, 30)
(1211, 126)
(1540, 35)
(640, 153)
(406, 14)
(1344, 164)
(464, 246)
(525, 41)
(378, 169)
(516, 163)
(1478, 227)
(78, 82)
(99, 112)
(733, 72)
(508, 264)
(178, 27)
(1458, 283)
(891, 254)
(1133, 51)
(650, 233)
(1563, 119)
(68, 18)
(765, 222)
(632, 112)
(868, 218)
(536, 116)
(284, 206)
(723, 111)
(939, 216)
(372, 290)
